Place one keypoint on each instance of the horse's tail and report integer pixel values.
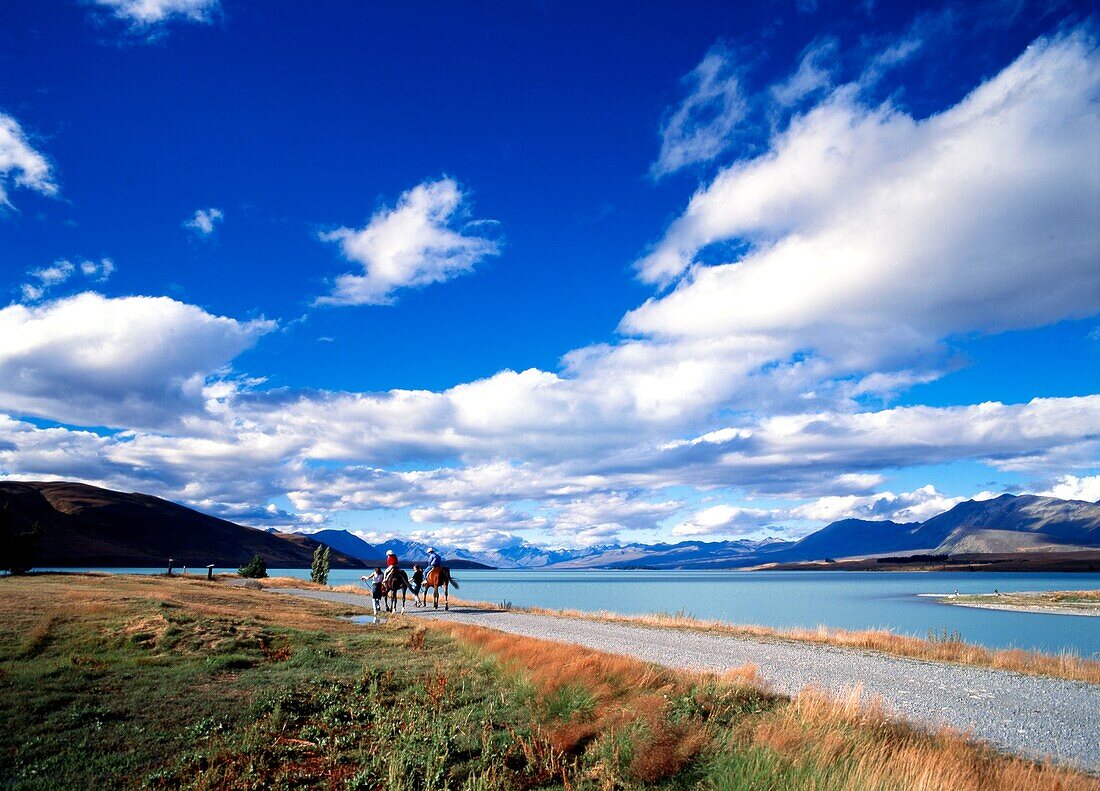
(451, 579)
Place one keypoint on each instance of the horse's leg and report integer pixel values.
(446, 595)
(435, 596)
(404, 593)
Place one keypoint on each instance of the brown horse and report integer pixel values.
(439, 576)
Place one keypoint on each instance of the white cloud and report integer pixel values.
(204, 221)
(785, 452)
(100, 270)
(725, 520)
(122, 362)
(59, 272)
(145, 14)
(416, 243)
(981, 218)
(1071, 487)
(915, 506)
(702, 126)
(814, 74)
(20, 163)
(752, 392)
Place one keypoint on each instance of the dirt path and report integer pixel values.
(1033, 716)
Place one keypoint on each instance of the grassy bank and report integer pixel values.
(1056, 602)
(151, 682)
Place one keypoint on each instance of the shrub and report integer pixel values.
(254, 569)
(321, 561)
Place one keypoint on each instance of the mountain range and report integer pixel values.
(1009, 523)
(84, 525)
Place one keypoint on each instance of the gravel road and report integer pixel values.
(1032, 716)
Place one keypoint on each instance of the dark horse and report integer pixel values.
(439, 576)
(399, 581)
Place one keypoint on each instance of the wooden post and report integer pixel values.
(210, 572)
(169, 567)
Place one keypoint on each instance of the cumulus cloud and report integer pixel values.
(204, 221)
(980, 218)
(1072, 487)
(701, 128)
(914, 506)
(20, 164)
(125, 362)
(417, 242)
(143, 15)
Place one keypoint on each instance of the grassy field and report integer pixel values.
(166, 683)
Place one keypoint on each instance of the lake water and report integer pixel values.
(849, 600)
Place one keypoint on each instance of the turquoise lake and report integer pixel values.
(849, 600)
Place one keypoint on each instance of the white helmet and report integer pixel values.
(431, 550)
(389, 551)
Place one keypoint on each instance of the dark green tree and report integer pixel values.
(16, 546)
(254, 569)
(321, 561)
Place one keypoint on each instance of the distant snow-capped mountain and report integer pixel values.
(1008, 523)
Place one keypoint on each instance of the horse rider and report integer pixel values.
(434, 561)
(391, 565)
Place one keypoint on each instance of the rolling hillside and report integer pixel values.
(87, 526)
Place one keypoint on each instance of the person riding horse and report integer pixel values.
(436, 575)
(392, 565)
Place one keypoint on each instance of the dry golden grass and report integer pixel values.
(885, 753)
(851, 736)
(85, 596)
(619, 693)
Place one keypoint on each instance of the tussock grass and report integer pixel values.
(649, 723)
(876, 751)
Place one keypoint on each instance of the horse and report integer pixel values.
(435, 578)
(399, 581)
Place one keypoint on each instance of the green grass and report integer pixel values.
(146, 692)
(153, 683)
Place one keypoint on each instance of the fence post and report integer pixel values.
(169, 567)
(210, 572)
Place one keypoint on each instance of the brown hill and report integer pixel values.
(87, 526)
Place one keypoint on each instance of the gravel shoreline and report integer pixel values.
(1042, 610)
(1036, 717)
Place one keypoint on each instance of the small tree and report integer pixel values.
(254, 569)
(321, 561)
(16, 547)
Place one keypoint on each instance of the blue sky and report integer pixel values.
(550, 272)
